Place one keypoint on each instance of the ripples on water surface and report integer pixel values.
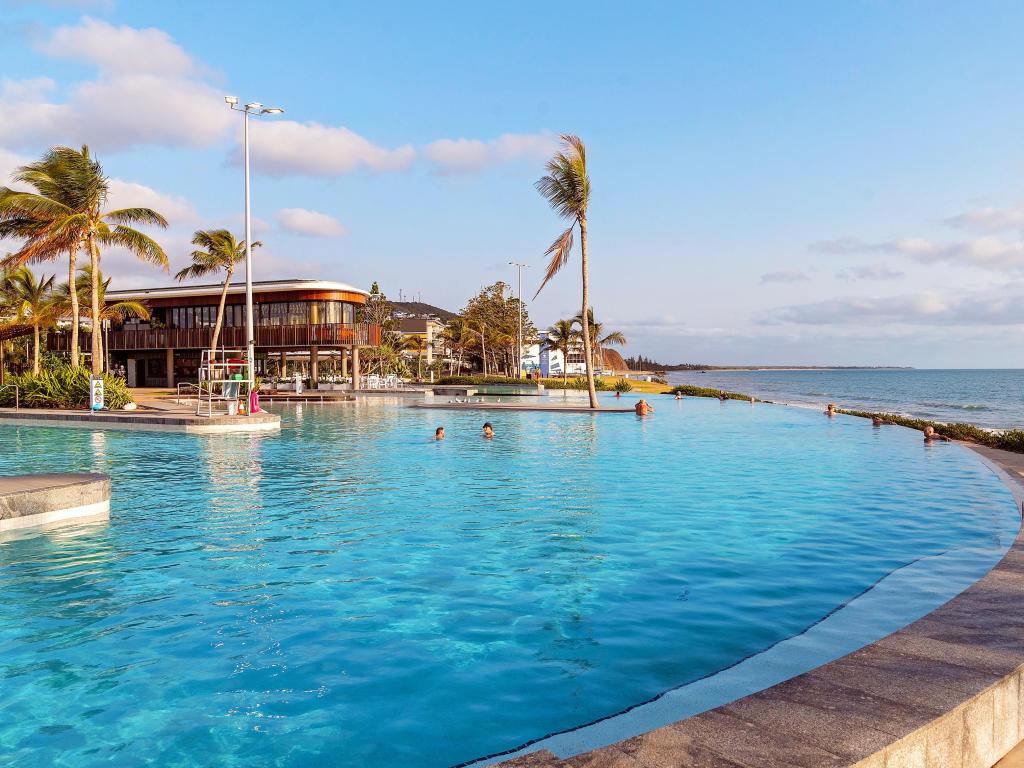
(351, 593)
(988, 398)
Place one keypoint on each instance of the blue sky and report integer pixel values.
(835, 183)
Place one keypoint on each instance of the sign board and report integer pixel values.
(96, 393)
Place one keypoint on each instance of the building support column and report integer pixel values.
(355, 368)
(314, 366)
(170, 367)
(344, 362)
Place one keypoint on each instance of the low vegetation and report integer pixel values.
(62, 387)
(1010, 440)
(691, 391)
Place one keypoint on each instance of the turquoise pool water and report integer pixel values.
(351, 593)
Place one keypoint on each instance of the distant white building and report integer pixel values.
(552, 362)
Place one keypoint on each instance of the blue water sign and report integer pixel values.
(96, 393)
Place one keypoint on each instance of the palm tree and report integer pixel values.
(566, 187)
(43, 220)
(32, 300)
(222, 252)
(417, 344)
(597, 340)
(456, 338)
(77, 215)
(562, 337)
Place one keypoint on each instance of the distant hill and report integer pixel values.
(421, 309)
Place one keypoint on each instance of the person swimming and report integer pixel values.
(439, 433)
(930, 435)
(876, 421)
(642, 408)
(488, 430)
(830, 411)
(679, 395)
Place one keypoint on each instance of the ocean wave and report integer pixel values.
(959, 406)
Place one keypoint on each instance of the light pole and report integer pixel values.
(257, 109)
(519, 356)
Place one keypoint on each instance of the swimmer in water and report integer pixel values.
(488, 430)
(439, 433)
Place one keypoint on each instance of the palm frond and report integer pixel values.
(127, 216)
(141, 245)
(558, 252)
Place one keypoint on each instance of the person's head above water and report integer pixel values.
(439, 433)
(488, 429)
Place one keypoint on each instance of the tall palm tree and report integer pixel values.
(562, 337)
(32, 299)
(82, 218)
(566, 187)
(598, 338)
(222, 252)
(42, 220)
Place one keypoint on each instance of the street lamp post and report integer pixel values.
(257, 109)
(519, 357)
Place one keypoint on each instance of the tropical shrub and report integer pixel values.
(692, 391)
(623, 386)
(1010, 440)
(63, 387)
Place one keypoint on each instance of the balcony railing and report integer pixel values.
(267, 336)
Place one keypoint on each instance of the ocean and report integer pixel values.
(987, 398)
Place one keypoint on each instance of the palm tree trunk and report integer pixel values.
(586, 320)
(220, 313)
(97, 338)
(73, 291)
(35, 348)
(3, 367)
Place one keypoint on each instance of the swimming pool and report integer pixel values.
(349, 592)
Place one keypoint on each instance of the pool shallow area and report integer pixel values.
(350, 592)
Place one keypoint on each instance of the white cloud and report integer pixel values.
(470, 155)
(281, 147)
(148, 92)
(9, 163)
(784, 276)
(310, 223)
(870, 272)
(996, 307)
(989, 219)
(120, 50)
(985, 252)
(130, 194)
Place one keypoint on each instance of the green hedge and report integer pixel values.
(63, 387)
(1011, 440)
(692, 391)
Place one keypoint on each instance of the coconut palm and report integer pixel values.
(562, 337)
(566, 187)
(77, 215)
(32, 301)
(417, 344)
(42, 219)
(598, 338)
(222, 252)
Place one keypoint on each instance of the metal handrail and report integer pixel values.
(190, 388)
(17, 394)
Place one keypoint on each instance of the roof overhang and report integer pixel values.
(267, 286)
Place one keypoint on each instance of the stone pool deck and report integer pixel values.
(946, 691)
(562, 407)
(171, 419)
(32, 500)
